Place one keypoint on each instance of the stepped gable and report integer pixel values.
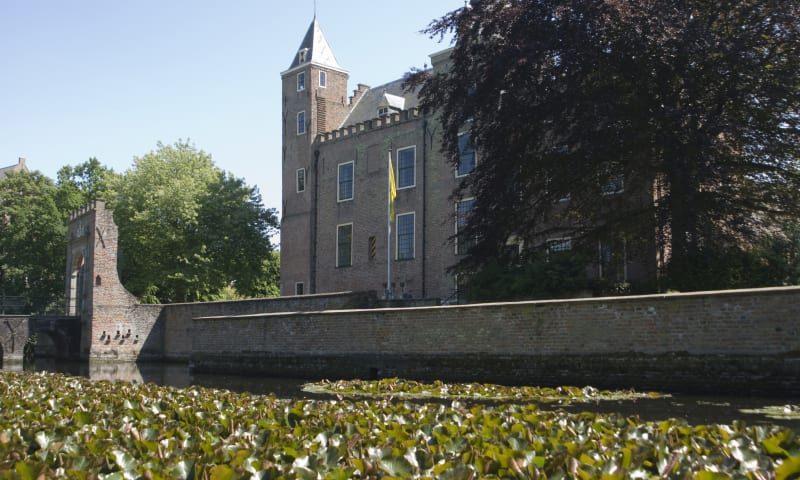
(390, 95)
(19, 167)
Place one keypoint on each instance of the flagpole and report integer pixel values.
(389, 229)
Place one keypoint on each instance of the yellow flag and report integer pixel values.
(392, 190)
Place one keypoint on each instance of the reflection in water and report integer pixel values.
(694, 409)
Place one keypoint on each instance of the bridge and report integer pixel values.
(56, 336)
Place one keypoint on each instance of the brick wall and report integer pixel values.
(737, 340)
(14, 332)
(166, 332)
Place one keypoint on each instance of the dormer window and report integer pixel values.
(383, 111)
(302, 55)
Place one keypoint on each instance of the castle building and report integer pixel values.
(21, 166)
(336, 150)
(335, 177)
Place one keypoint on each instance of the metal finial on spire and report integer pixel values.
(315, 9)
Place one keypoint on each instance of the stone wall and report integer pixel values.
(14, 332)
(166, 332)
(732, 340)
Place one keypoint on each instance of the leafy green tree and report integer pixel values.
(32, 239)
(679, 118)
(189, 231)
(82, 183)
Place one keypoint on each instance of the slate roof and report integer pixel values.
(387, 95)
(317, 49)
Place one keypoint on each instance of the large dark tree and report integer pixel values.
(674, 123)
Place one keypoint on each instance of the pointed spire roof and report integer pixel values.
(314, 49)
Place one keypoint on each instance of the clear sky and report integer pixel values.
(111, 78)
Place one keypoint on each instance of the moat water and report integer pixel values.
(694, 409)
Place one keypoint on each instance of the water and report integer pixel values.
(694, 409)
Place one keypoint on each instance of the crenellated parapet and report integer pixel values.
(374, 124)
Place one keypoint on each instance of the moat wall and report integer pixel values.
(742, 341)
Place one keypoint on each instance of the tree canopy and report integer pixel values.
(32, 240)
(189, 230)
(672, 123)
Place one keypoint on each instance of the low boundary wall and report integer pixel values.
(165, 332)
(739, 341)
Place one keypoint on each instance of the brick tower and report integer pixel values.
(314, 101)
(92, 280)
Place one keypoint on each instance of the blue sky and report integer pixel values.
(111, 78)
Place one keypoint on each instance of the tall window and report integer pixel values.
(301, 122)
(323, 79)
(558, 245)
(301, 180)
(344, 245)
(466, 155)
(611, 179)
(299, 288)
(405, 236)
(463, 242)
(406, 167)
(345, 190)
(301, 81)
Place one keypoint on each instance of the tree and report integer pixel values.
(679, 118)
(32, 239)
(188, 230)
(82, 183)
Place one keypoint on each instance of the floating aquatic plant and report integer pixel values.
(400, 388)
(54, 426)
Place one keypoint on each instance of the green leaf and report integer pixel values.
(789, 468)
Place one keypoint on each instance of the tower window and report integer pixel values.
(344, 245)
(405, 236)
(345, 190)
(466, 155)
(406, 175)
(323, 79)
(463, 210)
(302, 55)
(301, 122)
(301, 81)
(301, 180)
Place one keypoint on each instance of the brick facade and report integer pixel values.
(311, 217)
(734, 341)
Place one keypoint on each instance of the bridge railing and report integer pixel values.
(27, 305)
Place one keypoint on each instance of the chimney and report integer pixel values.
(22, 163)
(358, 93)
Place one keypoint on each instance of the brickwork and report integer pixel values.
(14, 332)
(94, 291)
(693, 339)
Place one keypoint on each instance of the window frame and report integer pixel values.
(301, 123)
(300, 172)
(611, 179)
(301, 81)
(460, 155)
(339, 181)
(399, 177)
(413, 233)
(458, 224)
(299, 288)
(339, 263)
(566, 240)
(323, 79)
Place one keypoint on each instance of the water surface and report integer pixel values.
(693, 408)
